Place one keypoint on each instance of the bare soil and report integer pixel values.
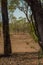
(22, 45)
(23, 42)
(20, 42)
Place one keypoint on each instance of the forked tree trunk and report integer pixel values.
(6, 36)
(38, 16)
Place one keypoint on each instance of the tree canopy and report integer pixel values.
(21, 5)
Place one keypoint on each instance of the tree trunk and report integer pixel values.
(38, 16)
(6, 36)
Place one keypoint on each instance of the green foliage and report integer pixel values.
(0, 25)
(32, 32)
(12, 4)
(22, 26)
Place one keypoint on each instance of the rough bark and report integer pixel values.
(38, 16)
(6, 36)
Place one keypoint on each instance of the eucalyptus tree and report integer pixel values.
(6, 36)
(12, 5)
(37, 11)
(5, 9)
(22, 5)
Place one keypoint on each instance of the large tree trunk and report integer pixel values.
(38, 16)
(7, 43)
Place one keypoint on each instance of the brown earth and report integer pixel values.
(23, 42)
(22, 46)
(20, 42)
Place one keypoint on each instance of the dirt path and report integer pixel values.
(23, 43)
(20, 43)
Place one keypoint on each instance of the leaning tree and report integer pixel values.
(37, 11)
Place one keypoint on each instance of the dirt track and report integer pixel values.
(20, 43)
(23, 43)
